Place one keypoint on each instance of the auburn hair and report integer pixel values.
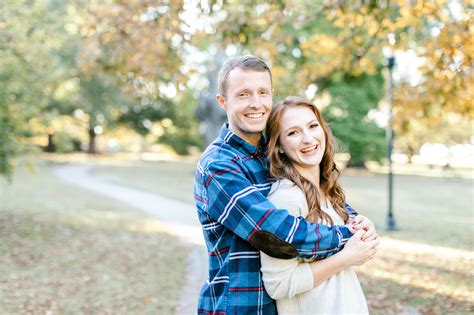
(281, 167)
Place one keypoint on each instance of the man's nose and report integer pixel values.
(256, 101)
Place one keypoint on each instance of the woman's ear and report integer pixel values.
(221, 101)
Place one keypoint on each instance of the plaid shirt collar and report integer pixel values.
(240, 144)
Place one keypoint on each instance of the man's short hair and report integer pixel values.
(247, 62)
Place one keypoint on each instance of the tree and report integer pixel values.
(442, 101)
(317, 43)
(307, 44)
(30, 67)
(143, 44)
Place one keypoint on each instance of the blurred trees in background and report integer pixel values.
(332, 50)
(31, 67)
(145, 65)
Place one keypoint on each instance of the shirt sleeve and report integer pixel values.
(350, 211)
(241, 207)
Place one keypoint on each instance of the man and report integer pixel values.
(231, 185)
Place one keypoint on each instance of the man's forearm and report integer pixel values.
(242, 208)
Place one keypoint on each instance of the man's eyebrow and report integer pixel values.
(242, 90)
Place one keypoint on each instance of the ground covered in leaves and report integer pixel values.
(66, 250)
(426, 266)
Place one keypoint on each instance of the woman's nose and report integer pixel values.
(306, 137)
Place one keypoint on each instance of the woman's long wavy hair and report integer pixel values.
(281, 167)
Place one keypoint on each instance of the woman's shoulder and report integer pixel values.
(284, 186)
(285, 194)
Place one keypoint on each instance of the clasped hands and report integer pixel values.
(362, 246)
(362, 223)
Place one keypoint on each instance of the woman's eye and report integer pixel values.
(291, 133)
(314, 126)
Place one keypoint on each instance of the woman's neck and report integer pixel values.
(311, 174)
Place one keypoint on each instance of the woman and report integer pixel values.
(301, 156)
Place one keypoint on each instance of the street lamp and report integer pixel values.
(389, 55)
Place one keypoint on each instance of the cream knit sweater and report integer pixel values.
(290, 282)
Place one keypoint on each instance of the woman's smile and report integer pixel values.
(309, 150)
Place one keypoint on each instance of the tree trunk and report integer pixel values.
(356, 164)
(92, 136)
(411, 152)
(208, 112)
(51, 147)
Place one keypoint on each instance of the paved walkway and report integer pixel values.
(180, 218)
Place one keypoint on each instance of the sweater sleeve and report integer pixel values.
(239, 205)
(285, 278)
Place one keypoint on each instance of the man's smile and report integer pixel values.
(255, 115)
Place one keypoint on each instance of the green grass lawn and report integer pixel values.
(426, 265)
(65, 250)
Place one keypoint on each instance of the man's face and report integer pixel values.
(248, 103)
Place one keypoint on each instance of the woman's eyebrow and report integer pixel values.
(292, 127)
(297, 126)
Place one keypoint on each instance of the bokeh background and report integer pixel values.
(125, 90)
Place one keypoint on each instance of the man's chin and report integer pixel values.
(255, 128)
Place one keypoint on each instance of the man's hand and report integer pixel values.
(361, 222)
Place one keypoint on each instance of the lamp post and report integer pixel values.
(391, 224)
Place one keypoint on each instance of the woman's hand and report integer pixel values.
(357, 251)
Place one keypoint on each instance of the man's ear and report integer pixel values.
(221, 101)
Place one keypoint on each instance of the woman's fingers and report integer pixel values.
(370, 234)
(359, 234)
(372, 254)
(373, 243)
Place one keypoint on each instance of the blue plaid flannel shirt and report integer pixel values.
(230, 189)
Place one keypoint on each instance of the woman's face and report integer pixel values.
(302, 137)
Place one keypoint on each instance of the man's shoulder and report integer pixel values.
(217, 153)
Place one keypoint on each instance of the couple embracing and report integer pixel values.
(281, 238)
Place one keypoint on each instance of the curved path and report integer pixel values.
(180, 218)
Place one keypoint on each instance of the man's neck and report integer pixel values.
(251, 137)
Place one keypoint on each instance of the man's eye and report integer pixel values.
(263, 92)
(243, 94)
